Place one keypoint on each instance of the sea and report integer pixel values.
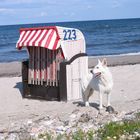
(103, 37)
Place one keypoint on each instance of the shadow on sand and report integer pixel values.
(19, 86)
(36, 94)
(82, 104)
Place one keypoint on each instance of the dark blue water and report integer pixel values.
(104, 37)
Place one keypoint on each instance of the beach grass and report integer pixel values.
(127, 129)
(78, 135)
(115, 130)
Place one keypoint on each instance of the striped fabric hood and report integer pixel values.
(46, 37)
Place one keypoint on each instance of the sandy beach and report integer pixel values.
(125, 95)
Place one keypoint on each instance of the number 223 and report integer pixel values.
(69, 34)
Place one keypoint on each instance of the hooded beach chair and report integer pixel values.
(57, 62)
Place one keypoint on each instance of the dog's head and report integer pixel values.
(100, 68)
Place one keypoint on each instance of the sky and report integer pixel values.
(46, 11)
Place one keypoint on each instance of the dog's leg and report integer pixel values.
(87, 97)
(101, 103)
(87, 103)
(109, 108)
(87, 94)
(108, 99)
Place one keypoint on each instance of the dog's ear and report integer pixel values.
(104, 62)
(99, 62)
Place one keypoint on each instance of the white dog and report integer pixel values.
(99, 79)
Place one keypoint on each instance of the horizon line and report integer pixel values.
(71, 21)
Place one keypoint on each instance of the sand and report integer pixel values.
(10, 69)
(125, 95)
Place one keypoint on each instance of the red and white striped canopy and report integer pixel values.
(46, 37)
